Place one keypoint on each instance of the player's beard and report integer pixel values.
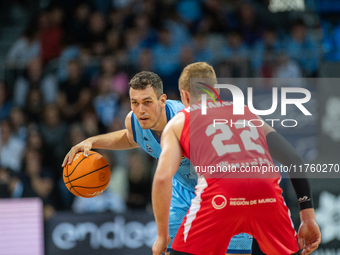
(159, 115)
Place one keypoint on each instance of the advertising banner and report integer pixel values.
(101, 233)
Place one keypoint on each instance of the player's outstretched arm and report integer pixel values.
(118, 140)
(168, 163)
(309, 234)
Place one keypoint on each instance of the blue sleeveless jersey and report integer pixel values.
(147, 140)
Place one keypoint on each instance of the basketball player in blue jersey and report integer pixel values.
(151, 111)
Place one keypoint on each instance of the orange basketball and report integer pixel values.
(87, 176)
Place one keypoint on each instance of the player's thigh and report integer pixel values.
(275, 233)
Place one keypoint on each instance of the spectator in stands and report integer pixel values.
(121, 157)
(37, 181)
(34, 105)
(90, 122)
(104, 6)
(117, 20)
(214, 18)
(5, 101)
(70, 51)
(118, 81)
(98, 48)
(303, 49)
(11, 148)
(190, 11)
(152, 9)
(166, 57)
(26, 48)
(331, 40)
(79, 26)
(148, 35)
(74, 94)
(132, 44)
(234, 47)
(76, 134)
(106, 102)
(119, 175)
(10, 183)
(145, 61)
(35, 78)
(166, 54)
(139, 182)
(50, 33)
(287, 68)
(201, 50)
(336, 34)
(265, 53)
(249, 24)
(187, 56)
(18, 123)
(6, 183)
(179, 32)
(113, 41)
(235, 54)
(90, 65)
(54, 133)
(34, 139)
(97, 28)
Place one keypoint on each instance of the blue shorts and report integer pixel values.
(180, 203)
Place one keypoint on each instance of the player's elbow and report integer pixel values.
(161, 179)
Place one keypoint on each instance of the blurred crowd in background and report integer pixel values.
(67, 79)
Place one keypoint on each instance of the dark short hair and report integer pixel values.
(142, 79)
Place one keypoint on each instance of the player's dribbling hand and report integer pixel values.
(160, 245)
(309, 236)
(84, 146)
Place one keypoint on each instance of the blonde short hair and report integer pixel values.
(196, 70)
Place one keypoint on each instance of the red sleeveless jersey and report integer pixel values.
(226, 205)
(222, 138)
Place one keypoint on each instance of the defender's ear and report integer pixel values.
(185, 97)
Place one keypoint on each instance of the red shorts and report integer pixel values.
(226, 207)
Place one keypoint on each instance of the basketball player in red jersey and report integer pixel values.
(227, 206)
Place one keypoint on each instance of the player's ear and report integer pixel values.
(162, 100)
(185, 97)
(217, 90)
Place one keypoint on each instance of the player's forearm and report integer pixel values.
(307, 214)
(161, 199)
(117, 140)
(281, 150)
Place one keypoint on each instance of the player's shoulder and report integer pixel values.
(175, 105)
(176, 124)
(128, 120)
(129, 116)
(179, 117)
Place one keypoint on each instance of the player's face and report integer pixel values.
(145, 106)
